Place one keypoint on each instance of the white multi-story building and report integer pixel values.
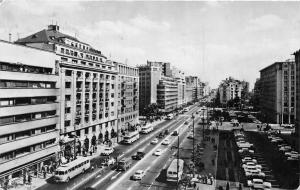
(230, 89)
(87, 87)
(29, 110)
(128, 97)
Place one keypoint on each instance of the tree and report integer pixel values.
(151, 110)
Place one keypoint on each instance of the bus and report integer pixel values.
(131, 136)
(170, 116)
(175, 167)
(67, 171)
(146, 129)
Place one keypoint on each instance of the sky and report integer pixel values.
(212, 40)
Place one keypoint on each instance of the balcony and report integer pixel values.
(78, 102)
(87, 100)
(107, 99)
(17, 127)
(30, 157)
(87, 89)
(27, 92)
(68, 103)
(95, 79)
(78, 113)
(89, 79)
(79, 89)
(27, 141)
(18, 110)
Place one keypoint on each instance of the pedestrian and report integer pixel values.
(29, 179)
(45, 174)
(91, 152)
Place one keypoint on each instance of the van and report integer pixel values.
(124, 164)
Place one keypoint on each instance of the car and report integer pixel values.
(166, 142)
(107, 151)
(250, 183)
(186, 123)
(249, 159)
(138, 175)
(154, 141)
(256, 173)
(285, 148)
(251, 164)
(158, 152)
(190, 136)
(267, 185)
(246, 150)
(109, 162)
(161, 135)
(167, 132)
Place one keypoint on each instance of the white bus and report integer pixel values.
(170, 116)
(172, 170)
(131, 137)
(146, 129)
(67, 171)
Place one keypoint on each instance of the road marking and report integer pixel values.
(150, 185)
(100, 181)
(113, 177)
(85, 180)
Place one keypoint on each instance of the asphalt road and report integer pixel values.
(102, 178)
(154, 166)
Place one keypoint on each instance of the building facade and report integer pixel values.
(180, 78)
(88, 88)
(29, 110)
(167, 94)
(128, 96)
(297, 62)
(229, 89)
(278, 96)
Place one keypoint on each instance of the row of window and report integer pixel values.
(26, 117)
(26, 101)
(25, 134)
(25, 151)
(25, 84)
(4, 66)
(81, 55)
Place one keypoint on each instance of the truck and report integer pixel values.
(139, 154)
(124, 164)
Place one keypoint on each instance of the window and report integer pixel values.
(86, 131)
(62, 50)
(67, 123)
(68, 84)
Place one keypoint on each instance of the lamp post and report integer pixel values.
(193, 117)
(177, 161)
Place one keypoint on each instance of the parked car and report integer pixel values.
(107, 151)
(139, 154)
(249, 159)
(246, 150)
(138, 175)
(256, 173)
(109, 162)
(250, 183)
(251, 164)
(161, 135)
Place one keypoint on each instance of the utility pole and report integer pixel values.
(193, 145)
(177, 162)
(203, 125)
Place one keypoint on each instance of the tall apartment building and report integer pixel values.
(197, 86)
(278, 98)
(229, 89)
(167, 94)
(297, 62)
(180, 78)
(149, 75)
(128, 96)
(29, 109)
(87, 83)
(189, 93)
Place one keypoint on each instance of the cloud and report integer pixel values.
(265, 22)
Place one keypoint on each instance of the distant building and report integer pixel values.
(297, 61)
(29, 110)
(230, 89)
(181, 86)
(278, 86)
(128, 97)
(257, 94)
(167, 94)
(197, 86)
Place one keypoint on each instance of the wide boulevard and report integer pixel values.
(108, 178)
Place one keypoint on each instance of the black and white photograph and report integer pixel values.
(149, 95)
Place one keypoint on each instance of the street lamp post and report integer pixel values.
(177, 161)
(193, 117)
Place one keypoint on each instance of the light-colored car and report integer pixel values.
(285, 148)
(138, 175)
(250, 183)
(158, 152)
(154, 141)
(107, 151)
(166, 142)
(249, 159)
(255, 174)
(252, 164)
(246, 150)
